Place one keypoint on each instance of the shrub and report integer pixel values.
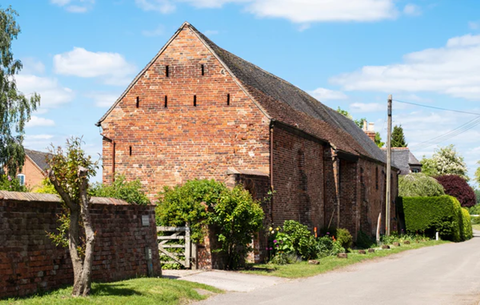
(130, 191)
(419, 185)
(233, 214)
(344, 238)
(458, 187)
(11, 184)
(238, 217)
(364, 241)
(47, 188)
(188, 203)
(430, 214)
(296, 238)
(475, 220)
(475, 210)
(327, 246)
(466, 232)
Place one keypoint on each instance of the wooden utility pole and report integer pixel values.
(389, 167)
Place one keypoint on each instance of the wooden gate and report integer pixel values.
(188, 257)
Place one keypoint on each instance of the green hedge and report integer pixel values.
(467, 232)
(429, 214)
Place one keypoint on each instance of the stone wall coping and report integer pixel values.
(53, 198)
(248, 172)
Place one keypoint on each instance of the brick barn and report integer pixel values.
(199, 111)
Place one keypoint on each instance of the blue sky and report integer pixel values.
(80, 55)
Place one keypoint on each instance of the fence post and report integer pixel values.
(187, 246)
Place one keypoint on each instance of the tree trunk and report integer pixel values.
(73, 245)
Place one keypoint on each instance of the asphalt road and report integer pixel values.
(445, 274)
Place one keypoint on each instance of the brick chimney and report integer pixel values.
(369, 130)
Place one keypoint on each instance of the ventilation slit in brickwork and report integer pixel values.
(166, 71)
(203, 70)
(228, 99)
(195, 101)
(138, 101)
(130, 148)
(166, 100)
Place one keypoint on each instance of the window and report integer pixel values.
(21, 179)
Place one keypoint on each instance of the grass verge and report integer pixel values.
(303, 269)
(134, 291)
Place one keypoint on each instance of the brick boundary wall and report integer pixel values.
(31, 263)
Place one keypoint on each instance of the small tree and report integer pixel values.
(15, 108)
(69, 173)
(457, 187)
(419, 185)
(398, 138)
(445, 161)
(477, 174)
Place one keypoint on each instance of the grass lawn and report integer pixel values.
(303, 269)
(135, 291)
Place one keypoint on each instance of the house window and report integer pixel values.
(415, 170)
(21, 179)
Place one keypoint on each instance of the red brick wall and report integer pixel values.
(298, 179)
(181, 142)
(30, 262)
(33, 175)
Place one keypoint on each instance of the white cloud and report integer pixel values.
(306, 11)
(453, 70)
(112, 68)
(474, 25)
(323, 94)
(36, 121)
(52, 94)
(324, 10)
(211, 32)
(412, 10)
(103, 99)
(39, 142)
(367, 107)
(75, 6)
(161, 6)
(158, 31)
(32, 66)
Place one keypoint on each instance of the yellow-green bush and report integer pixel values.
(429, 214)
(467, 232)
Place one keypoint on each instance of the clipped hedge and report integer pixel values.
(429, 214)
(467, 231)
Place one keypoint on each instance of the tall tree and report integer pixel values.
(15, 108)
(398, 138)
(69, 173)
(445, 161)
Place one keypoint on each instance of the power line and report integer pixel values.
(438, 108)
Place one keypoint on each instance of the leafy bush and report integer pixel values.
(344, 238)
(364, 241)
(47, 188)
(238, 217)
(466, 232)
(430, 214)
(327, 246)
(419, 185)
(475, 210)
(300, 238)
(458, 187)
(284, 258)
(130, 191)
(475, 220)
(188, 203)
(233, 214)
(11, 184)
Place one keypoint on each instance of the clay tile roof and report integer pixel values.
(287, 103)
(38, 157)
